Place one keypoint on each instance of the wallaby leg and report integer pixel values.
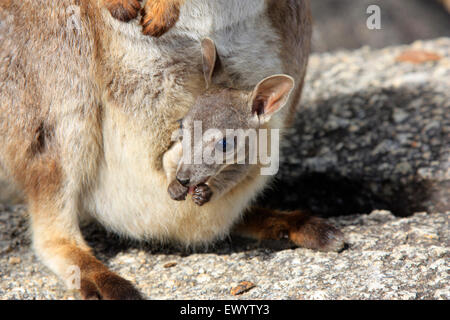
(58, 242)
(123, 10)
(300, 228)
(159, 16)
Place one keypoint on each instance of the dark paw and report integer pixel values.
(108, 286)
(157, 20)
(202, 194)
(123, 10)
(89, 290)
(315, 233)
(332, 239)
(177, 191)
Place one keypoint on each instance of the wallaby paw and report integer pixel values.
(159, 16)
(89, 290)
(202, 194)
(123, 10)
(315, 233)
(177, 191)
(108, 286)
(299, 227)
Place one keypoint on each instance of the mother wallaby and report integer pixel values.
(88, 104)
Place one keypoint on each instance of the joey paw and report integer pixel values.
(202, 194)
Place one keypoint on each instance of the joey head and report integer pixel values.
(209, 157)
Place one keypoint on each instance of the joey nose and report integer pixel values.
(184, 182)
(184, 175)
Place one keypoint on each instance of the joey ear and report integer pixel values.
(270, 95)
(210, 60)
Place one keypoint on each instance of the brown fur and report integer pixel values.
(159, 16)
(123, 10)
(283, 15)
(299, 227)
(96, 282)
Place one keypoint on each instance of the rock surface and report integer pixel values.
(373, 133)
(387, 258)
(402, 21)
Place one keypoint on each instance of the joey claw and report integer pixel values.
(202, 194)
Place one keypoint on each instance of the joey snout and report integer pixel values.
(177, 191)
(191, 176)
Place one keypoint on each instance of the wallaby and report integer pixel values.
(88, 105)
(221, 108)
(158, 16)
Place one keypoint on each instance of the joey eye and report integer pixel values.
(225, 145)
(178, 133)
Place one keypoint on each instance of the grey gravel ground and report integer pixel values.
(372, 133)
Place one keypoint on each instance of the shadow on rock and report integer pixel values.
(107, 245)
(382, 149)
